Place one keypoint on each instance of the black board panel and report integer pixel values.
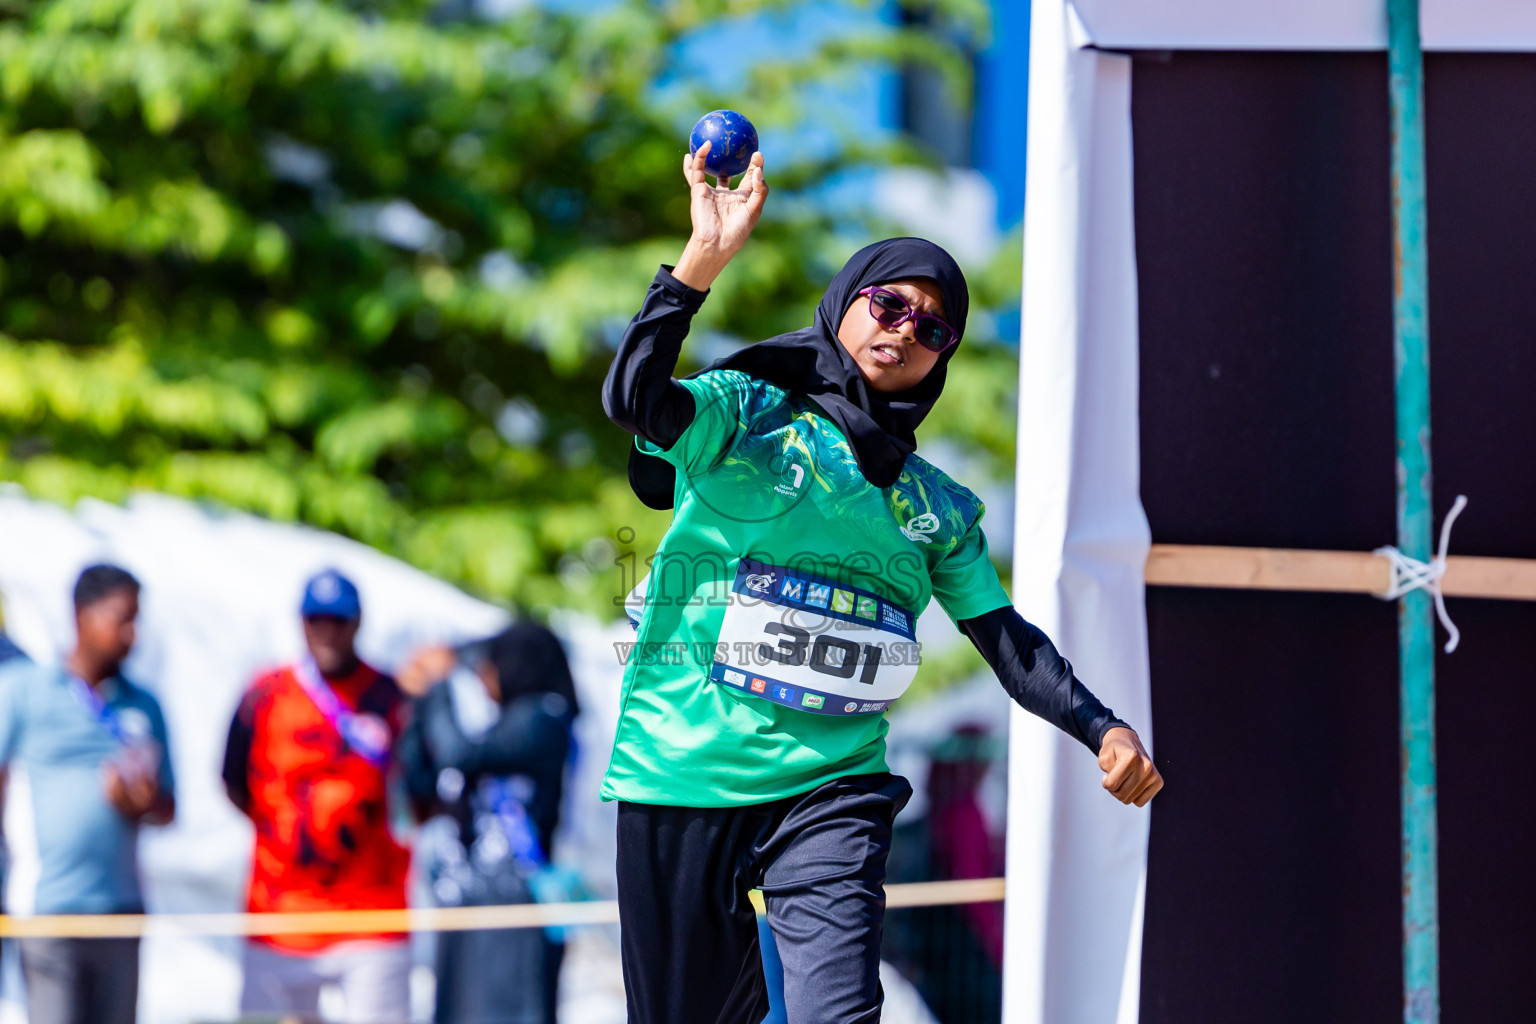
(1272, 885)
(1264, 264)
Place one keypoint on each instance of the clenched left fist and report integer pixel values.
(1129, 774)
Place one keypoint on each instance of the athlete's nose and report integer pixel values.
(906, 331)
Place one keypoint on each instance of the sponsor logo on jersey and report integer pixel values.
(794, 476)
(762, 582)
(866, 608)
(785, 694)
(918, 526)
(759, 685)
(842, 601)
(851, 706)
(878, 705)
(893, 616)
(817, 595)
(735, 678)
(792, 588)
(812, 700)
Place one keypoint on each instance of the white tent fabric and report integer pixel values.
(1482, 25)
(1076, 857)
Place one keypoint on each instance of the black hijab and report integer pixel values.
(880, 427)
(529, 659)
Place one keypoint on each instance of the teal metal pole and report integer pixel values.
(1416, 622)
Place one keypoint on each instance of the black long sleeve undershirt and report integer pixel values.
(1036, 675)
(640, 395)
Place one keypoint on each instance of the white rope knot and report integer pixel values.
(1411, 574)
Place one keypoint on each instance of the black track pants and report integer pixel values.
(689, 932)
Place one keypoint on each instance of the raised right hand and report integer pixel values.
(425, 669)
(723, 218)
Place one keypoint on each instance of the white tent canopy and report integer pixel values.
(1481, 25)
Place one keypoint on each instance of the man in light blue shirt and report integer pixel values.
(87, 756)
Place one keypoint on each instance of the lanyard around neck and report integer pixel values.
(86, 694)
(367, 735)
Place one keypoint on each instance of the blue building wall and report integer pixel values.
(1002, 93)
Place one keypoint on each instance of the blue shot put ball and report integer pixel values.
(734, 138)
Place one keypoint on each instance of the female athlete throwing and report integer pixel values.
(778, 625)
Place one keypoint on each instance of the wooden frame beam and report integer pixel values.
(1353, 572)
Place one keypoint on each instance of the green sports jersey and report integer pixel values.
(779, 614)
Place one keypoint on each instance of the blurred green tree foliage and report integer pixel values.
(361, 264)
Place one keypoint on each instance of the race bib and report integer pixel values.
(814, 644)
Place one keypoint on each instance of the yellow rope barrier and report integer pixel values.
(942, 894)
(441, 919)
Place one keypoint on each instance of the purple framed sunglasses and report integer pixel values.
(890, 309)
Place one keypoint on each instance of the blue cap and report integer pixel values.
(331, 593)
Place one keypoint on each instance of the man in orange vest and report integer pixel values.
(307, 760)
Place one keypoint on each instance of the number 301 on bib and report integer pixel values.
(814, 644)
